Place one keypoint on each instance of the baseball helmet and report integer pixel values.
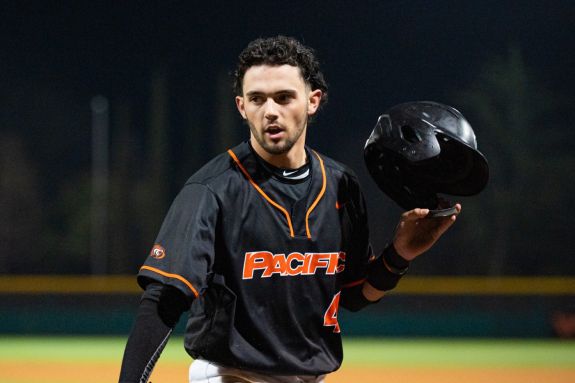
(419, 149)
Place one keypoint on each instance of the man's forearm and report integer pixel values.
(159, 311)
(145, 344)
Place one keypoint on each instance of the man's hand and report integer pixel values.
(415, 233)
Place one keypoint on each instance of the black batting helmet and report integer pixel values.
(419, 149)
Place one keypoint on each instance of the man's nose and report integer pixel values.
(271, 112)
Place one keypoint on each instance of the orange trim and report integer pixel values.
(322, 191)
(351, 284)
(250, 179)
(175, 276)
(337, 205)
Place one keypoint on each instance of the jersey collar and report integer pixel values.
(256, 174)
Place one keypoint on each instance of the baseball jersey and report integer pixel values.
(264, 271)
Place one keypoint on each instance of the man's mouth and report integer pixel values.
(274, 132)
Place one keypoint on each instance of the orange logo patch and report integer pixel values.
(157, 252)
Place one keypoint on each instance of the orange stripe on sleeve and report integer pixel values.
(175, 276)
(320, 195)
(255, 185)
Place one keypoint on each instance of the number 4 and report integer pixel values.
(330, 316)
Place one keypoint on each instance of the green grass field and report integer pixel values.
(97, 359)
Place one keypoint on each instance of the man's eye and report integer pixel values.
(256, 99)
(283, 98)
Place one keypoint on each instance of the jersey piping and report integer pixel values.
(175, 276)
(322, 191)
(255, 185)
(277, 205)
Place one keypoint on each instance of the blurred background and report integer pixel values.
(107, 107)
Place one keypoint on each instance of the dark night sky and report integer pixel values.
(375, 53)
(57, 55)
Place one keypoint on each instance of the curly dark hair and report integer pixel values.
(281, 50)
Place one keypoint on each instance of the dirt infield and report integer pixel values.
(98, 359)
(97, 372)
(452, 375)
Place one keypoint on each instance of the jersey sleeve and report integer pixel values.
(357, 245)
(183, 253)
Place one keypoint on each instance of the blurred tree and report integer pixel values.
(518, 219)
(226, 133)
(195, 141)
(124, 249)
(69, 236)
(20, 208)
(151, 191)
(53, 124)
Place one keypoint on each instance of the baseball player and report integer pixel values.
(266, 241)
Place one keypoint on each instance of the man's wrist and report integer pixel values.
(385, 272)
(394, 262)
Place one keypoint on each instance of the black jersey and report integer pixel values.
(265, 271)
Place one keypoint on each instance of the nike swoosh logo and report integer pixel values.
(287, 174)
(301, 176)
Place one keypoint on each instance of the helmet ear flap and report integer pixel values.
(420, 149)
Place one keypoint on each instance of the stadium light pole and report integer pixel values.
(99, 198)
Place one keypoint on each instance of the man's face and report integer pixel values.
(276, 103)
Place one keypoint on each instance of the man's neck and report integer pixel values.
(293, 159)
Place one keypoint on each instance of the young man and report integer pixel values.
(265, 242)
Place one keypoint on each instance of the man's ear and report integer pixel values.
(240, 106)
(313, 101)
